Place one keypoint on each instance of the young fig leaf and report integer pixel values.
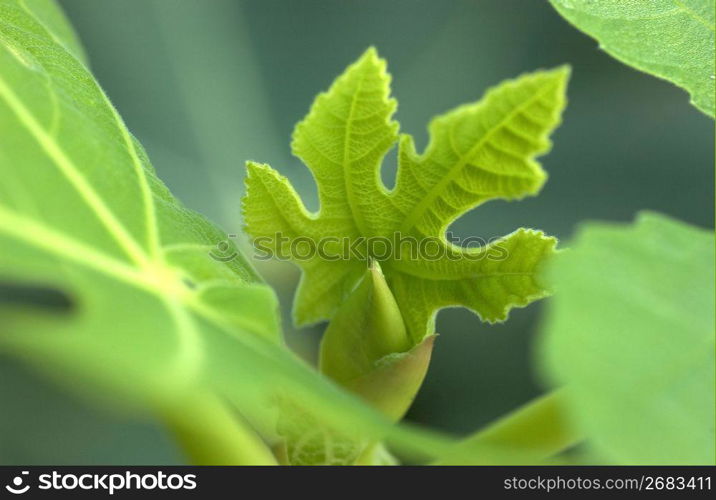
(477, 152)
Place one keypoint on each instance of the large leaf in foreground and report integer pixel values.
(631, 333)
(81, 210)
(50, 15)
(671, 39)
(477, 153)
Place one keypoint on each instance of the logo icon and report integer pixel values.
(224, 251)
(16, 488)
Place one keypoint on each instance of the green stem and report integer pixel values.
(211, 434)
(528, 435)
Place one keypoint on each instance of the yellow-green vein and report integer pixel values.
(72, 173)
(152, 232)
(463, 159)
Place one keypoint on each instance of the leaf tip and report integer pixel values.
(370, 59)
(560, 75)
(564, 71)
(371, 53)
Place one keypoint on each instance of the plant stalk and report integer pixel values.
(529, 435)
(210, 433)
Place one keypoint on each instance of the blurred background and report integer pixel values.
(205, 85)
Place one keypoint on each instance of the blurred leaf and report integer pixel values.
(477, 153)
(82, 211)
(40, 424)
(671, 39)
(630, 331)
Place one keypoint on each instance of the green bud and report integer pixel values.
(396, 379)
(366, 348)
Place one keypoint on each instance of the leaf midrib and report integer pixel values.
(67, 167)
(152, 231)
(348, 180)
(174, 296)
(70, 171)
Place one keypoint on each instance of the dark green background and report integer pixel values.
(207, 84)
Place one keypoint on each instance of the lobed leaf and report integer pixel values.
(477, 153)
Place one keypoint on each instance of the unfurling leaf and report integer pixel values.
(366, 348)
(477, 153)
(671, 39)
(630, 332)
(395, 380)
(367, 327)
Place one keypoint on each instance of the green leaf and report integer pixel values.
(476, 153)
(630, 331)
(138, 314)
(51, 20)
(671, 39)
(82, 211)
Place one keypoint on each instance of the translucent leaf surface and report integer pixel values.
(477, 153)
(671, 39)
(82, 211)
(631, 333)
(50, 16)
